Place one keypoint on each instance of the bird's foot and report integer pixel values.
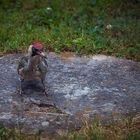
(45, 92)
(19, 91)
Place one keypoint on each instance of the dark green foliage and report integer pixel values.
(12, 134)
(133, 136)
(85, 27)
(125, 129)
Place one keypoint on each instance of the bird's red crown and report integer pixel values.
(37, 45)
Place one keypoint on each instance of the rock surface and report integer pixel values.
(78, 88)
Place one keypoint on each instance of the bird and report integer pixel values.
(33, 66)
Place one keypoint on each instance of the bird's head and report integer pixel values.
(36, 49)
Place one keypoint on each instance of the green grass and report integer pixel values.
(14, 134)
(125, 129)
(79, 26)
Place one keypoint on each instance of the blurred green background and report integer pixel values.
(82, 26)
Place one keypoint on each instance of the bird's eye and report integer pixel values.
(34, 49)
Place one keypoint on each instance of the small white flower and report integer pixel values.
(109, 26)
(49, 8)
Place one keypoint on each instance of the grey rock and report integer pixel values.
(45, 124)
(78, 87)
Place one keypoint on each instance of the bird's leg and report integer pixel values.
(20, 89)
(44, 88)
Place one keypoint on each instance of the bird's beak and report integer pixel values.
(42, 54)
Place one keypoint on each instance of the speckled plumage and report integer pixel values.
(32, 67)
(37, 70)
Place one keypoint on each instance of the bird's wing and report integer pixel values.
(45, 62)
(43, 65)
(22, 64)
